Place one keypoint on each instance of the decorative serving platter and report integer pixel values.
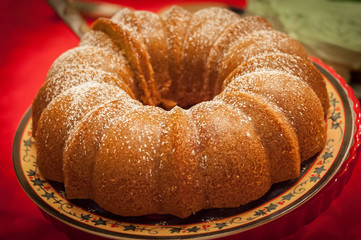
(340, 151)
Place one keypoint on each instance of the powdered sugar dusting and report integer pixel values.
(257, 43)
(83, 58)
(103, 117)
(77, 101)
(155, 41)
(64, 81)
(88, 100)
(127, 21)
(205, 26)
(279, 87)
(232, 33)
(175, 21)
(137, 134)
(99, 39)
(207, 129)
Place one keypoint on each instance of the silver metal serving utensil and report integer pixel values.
(70, 15)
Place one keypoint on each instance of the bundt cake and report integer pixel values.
(189, 111)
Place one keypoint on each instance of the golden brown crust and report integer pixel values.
(301, 68)
(258, 43)
(227, 143)
(111, 148)
(180, 181)
(60, 117)
(297, 101)
(276, 134)
(99, 39)
(66, 80)
(131, 144)
(134, 50)
(83, 145)
(153, 33)
(175, 21)
(204, 28)
(224, 42)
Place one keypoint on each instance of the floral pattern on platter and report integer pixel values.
(313, 175)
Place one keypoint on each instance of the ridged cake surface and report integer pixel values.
(178, 112)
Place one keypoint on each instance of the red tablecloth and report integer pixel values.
(32, 39)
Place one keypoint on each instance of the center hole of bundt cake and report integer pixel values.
(184, 98)
(169, 103)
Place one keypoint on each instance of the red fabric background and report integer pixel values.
(32, 39)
